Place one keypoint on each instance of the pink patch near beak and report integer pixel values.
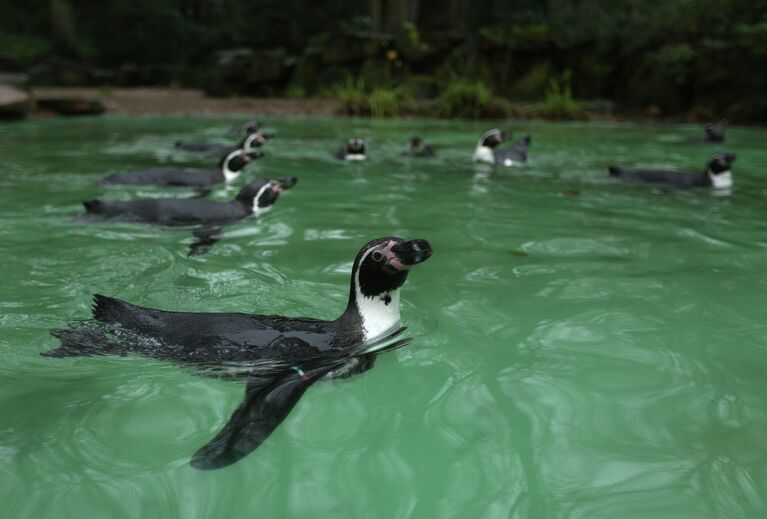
(391, 258)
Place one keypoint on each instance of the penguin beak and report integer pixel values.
(255, 154)
(287, 182)
(729, 158)
(407, 254)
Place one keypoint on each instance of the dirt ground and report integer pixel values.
(177, 101)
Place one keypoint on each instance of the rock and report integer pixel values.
(71, 106)
(14, 103)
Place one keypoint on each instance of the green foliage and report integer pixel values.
(470, 100)
(518, 36)
(681, 55)
(352, 97)
(23, 47)
(389, 102)
(559, 102)
(295, 92)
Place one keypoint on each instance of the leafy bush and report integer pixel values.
(389, 102)
(381, 102)
(469, 99)
(351, 95)
(559, 102)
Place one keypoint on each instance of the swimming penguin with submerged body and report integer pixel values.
(415, 147)
(486, 151)
(206, 216)
(279, 357)
(717, 175)
(229, 169)
(354, 150)
(252, 137)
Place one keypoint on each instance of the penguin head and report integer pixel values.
(415, 143)
(355, 146)
(492, 138)
(250, 127)
(382, 265)
(261, 194)
(237, 160)
(715, 132)
(252, 141)
(720, 163)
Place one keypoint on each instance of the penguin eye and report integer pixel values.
(377, 256)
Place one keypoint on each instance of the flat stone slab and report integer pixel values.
(14, 103)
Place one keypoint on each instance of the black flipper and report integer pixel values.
(268, 400)
(271, 395)
(206, 239)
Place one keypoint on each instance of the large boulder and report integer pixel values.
(14, 103)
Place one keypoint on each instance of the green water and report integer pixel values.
(584, 348)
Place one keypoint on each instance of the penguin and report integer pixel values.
(230, 167)
(714, 133)
(485, 150)
(208, 216)
(279, 357)
(415, 147)
(246, 127)
(717, 174)
(250, 142)
(354, 149)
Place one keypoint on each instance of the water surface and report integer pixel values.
(584, 348)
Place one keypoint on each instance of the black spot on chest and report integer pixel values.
(386, 299)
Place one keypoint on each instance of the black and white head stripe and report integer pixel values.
(252, 141)
(382, 264)
(720, 162)
(355, 146)
(250, 127)
(233, 163)
(718, 170)
(261, 194)
(492, 138)
(380, 269)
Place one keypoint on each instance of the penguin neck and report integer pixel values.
(484, 154)
(247, 144)
(229, 175)
(258, 211)
(721, 180)
(375, 314)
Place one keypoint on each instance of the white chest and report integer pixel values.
(379, 313)
(722, 180)
(484, 154)
(355, 156)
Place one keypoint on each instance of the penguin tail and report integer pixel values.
(615, 171)
(108, 309)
